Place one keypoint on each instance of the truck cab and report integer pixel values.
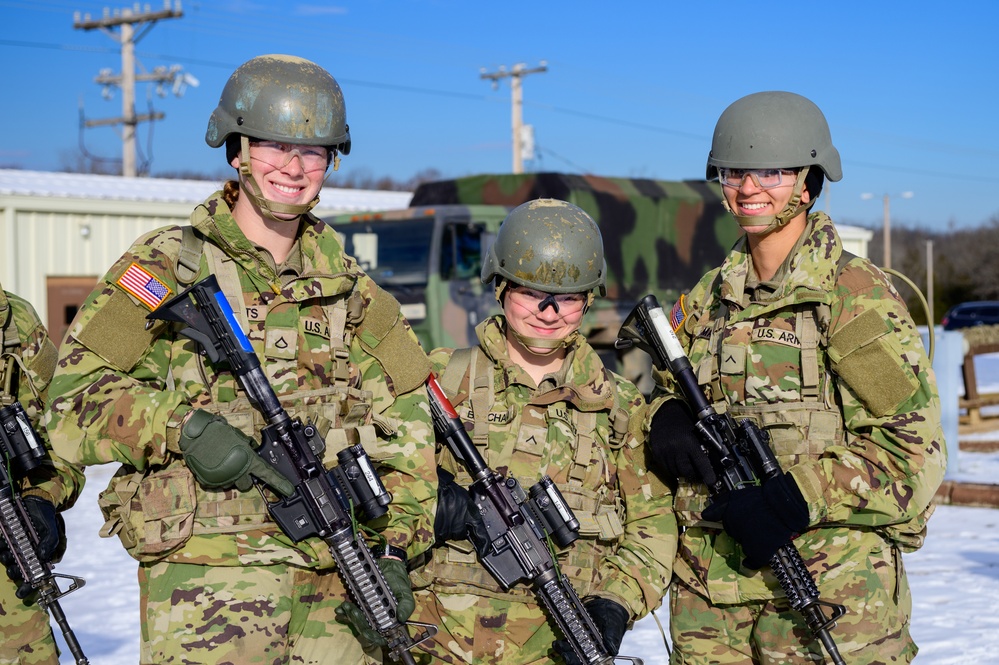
(429, 258)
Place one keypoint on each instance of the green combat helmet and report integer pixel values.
(551, 246)
(772, 130)
(548, 245)
(279, 98)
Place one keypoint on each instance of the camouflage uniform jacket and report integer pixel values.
(29, 359)
(574, 427)
(825, 357)
(337, 353)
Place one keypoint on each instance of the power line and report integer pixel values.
(126, 21)
(515, 74)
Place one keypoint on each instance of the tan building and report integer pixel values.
(62, 231)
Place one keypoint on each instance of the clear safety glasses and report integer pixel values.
(764, 178)
(312, 158)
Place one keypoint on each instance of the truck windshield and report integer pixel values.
(391, 252)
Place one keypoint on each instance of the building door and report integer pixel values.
(65, 296)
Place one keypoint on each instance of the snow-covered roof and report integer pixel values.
(91, 186)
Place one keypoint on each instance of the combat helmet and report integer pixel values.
(279, 98)
(548, 245)
(769, 130)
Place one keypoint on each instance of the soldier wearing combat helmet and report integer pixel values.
(816, 347)
(219, 580)
(538, 400)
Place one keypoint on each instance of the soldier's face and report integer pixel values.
(749, 199)
(533, 313)
(287, 173)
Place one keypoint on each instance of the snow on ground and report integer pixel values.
(954, 577)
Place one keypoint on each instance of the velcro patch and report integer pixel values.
(776, 336)
(117, 331)
(144, 286)
(733, 359)
(677, 314)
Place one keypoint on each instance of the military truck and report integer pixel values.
(659, 237)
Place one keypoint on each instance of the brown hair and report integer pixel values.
(230, 192)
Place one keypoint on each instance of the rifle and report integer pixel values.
(740, 454)
(21, 452)
(518, 526)
(324, 501)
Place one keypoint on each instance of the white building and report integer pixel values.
(62, 231)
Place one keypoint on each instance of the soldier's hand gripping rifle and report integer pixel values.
(740, 454)
(323, 501)
(21, 452)
(518, 525)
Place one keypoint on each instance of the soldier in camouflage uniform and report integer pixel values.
(26, 367)
(219, 581)
(539, 401)
(815, 345)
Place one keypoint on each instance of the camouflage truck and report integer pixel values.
(659, 237)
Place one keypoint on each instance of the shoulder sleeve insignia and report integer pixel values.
(677, 314)
(143, 285)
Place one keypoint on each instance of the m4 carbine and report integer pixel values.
(324, 501)
(21, 452)
(518, 526)
(740, 454)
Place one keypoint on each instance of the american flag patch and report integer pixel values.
(144, 286)
(677, 314)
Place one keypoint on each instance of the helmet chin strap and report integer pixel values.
(531, 343)
(269, 208)
(552, 346)
(793, 208)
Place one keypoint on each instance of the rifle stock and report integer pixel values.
(739, 452)
(323, 502)
(518, 525)
(23, 452)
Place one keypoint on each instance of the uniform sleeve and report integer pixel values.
(62, 482)
(666, 386)
(894, 457)
(405, 449)
(637, 575)
(111, 397)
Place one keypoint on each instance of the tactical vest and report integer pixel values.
(12, 368)
(800, 428)
(155, 513)
(454, 567)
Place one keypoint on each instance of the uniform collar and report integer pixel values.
(807, 273)
(581, 381)
(316, 254)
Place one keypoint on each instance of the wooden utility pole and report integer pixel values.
(127, 19)
(515, 74)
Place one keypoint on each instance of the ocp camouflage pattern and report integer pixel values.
(628, 533)
(27, 635)
(826, 358)
(121, 389)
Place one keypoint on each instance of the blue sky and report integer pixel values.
(632, 88)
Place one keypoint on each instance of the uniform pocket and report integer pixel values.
(151, 514)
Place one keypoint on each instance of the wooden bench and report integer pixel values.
(973, 401)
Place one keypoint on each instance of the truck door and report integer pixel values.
(463, 301)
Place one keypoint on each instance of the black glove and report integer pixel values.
(611, 621)
(675, 448)
(457, 518)
(51, 531)
(397, 579)
(761, 519)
